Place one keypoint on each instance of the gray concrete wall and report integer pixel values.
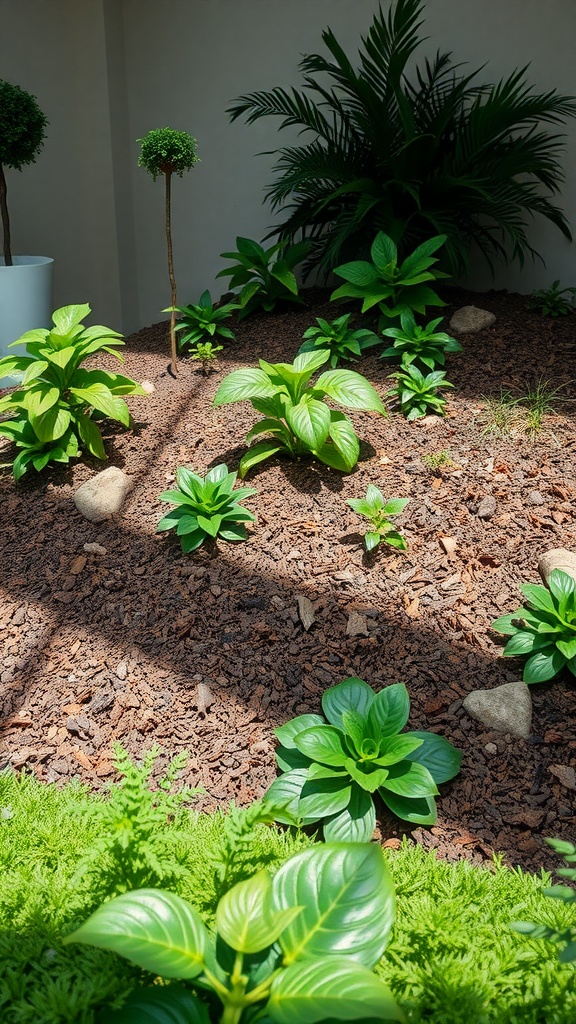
(107, 71)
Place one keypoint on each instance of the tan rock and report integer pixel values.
(469, 319)
(557, 558)
(102, 496)
(506, 708)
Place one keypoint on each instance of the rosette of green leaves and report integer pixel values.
(379, 514)
(553, 301)
(204, 321)
(566, 937)
(417, 394)
(332, 768)
(543, 630)
(339, 338)
(297, 948)
(395, 288)
(420, 344)
(264, 276)
(206, 507)
(58, 398)
(296, 415)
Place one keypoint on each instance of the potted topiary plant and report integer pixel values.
(166, 151)
(25, 281)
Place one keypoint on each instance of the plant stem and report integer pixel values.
(5, 219)
(173, 350)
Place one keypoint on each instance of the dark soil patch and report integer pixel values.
(112, 647)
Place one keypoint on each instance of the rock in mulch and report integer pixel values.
(469, 319)
(557, 558)
(506, 708)
(102, 496)
(357, 625)
(305, 611)
(487, 507)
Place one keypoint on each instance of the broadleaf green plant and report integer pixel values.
(57, 400)
(567, 937)
(167, 151)
(206, 507)
(295, 414)
(203, 321)
(543, 630)
(415, 344)
(379, 514)
(553, 301)
(332, 768)
(383, 140)
(417, 394)
(297, 948)
(338, 337)
(264, 276)
(394, 286)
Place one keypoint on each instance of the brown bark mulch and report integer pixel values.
(104, 647)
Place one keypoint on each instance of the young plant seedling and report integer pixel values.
(437, 461)
(394, 288)
(416, 344)
(166, 151)
(58, 398)
(567, 937)
(332, 769)
(203, 322)
(554, 301)
(339, 338)
(206, 507)
(544, 630)
(379, 514)
(297, 948)
(417, 395)
(264, 276)
(295, 414)
(204, 352)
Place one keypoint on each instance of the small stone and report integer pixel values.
(487, 507)
(94, 549)
(428, 421)
(357, 625)
(305, 611)
(216, 590)
(506, 709)
(565, 775)
(491, 749)
(122, 670)
(277, 602)
(204, 697)
(449, 544)
(557, 558)
(535, 498)
(148, 387)
(78, 564)
(79, 725)
(102, 496)
(469, 319)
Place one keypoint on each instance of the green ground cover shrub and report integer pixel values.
(453, 958)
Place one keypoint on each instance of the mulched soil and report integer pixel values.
(208, 653)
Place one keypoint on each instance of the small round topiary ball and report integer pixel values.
(22, 125)
(166, 151)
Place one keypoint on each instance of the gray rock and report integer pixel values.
(469, 319)
(535, 498)
(102, 496)
(357, 625)
(506, 708)
(487, 507)
(95, 549)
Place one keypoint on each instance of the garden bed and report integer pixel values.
(114, 646)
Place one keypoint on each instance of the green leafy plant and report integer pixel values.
(297, 948)
(553, 301)
(502, 416)
(22, 135)
(229, 858)
(543, 630)
(567, 937)
(395, 287)
(379, 514)
(538, 400)
(264, 276)
(204, 352)
(166, 151)
(206, 507)
(415, 344)
(202, 322)
(412, 148)
(416, 394)
(131, 849)
(58, 398)
(295, 414)
(333, 768)
(339, 338)
(437, 461)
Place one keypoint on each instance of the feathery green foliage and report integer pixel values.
(413, 151)
(566, 938)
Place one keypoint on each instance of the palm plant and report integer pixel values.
(431, 152)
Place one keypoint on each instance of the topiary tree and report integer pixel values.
(22, 135)
(166, 151)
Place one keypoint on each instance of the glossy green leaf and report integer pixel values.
(436, 754)
(287, 733)
(310, 421)
(322, 796)
(368, 776)
(419, 810)
(543, 666)
(322, 743)
(371, 540)
(352, 694)
(154, 929)
(68, 317)
(284, 794)
(351, 390)
(244, 384)
(538, 597)
(308, 993)
(563, 589)
(355, 823)
(90, 435)
(348, 898)
(258, 453)
(99, 397)
(395, 748)
(40, 397)
(390, 709)
(162, 1004)
(408, 778)
(524, 643)
(245, 919)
